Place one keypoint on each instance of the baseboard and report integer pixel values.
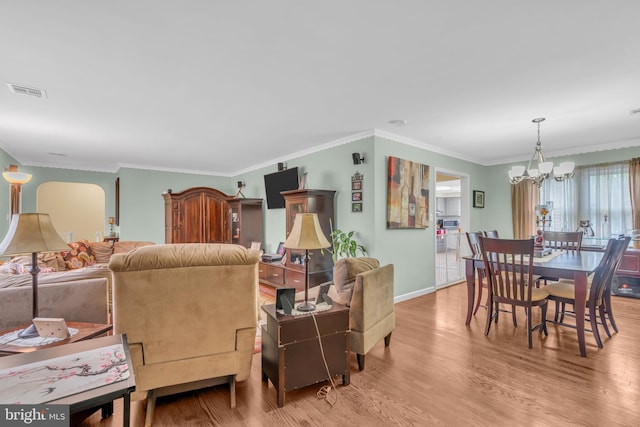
(414, 294)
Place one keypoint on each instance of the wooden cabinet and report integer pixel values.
(290, 273)
(246, 221)
(206, 215)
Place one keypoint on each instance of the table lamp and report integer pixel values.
(306, 234)
(31, 233)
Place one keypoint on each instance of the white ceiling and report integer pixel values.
(221, 87)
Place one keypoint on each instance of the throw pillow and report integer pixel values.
(45, 261)
(79, 256)
(101, 251)
(345, 271)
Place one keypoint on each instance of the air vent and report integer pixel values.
(25, 90)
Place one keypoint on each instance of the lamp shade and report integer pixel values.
(17, 177)
(306, 233)
(29, 233)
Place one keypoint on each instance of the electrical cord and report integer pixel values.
(323, 393)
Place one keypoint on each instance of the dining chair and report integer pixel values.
(473, 237)
(492, 233)
(608, 308)
(570, 241)
(562, 240)
(511, 281)
(563, 292)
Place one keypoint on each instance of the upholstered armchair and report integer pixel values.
(190, 315)
(367, 289)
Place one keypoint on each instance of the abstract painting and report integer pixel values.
(407, 194)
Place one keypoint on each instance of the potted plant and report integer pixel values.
(344, 245)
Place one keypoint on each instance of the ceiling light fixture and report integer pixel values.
(398, 122)
(543, 169)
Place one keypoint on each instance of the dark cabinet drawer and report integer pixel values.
(262, 271)
(295, 279)
(275, 274)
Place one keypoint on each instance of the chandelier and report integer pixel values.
(544, 169)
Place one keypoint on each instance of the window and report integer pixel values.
(594, 192)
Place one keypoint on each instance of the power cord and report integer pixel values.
(323, 393)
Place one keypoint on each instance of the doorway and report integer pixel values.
(452, 217)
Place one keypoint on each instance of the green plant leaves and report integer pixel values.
(344, 245)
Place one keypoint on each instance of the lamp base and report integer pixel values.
(28, 332)
(306, 306)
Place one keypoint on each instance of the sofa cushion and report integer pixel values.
(79, 256)
(126, 246)
(345, 271)
(101, 251)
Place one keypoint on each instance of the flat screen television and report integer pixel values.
(276, 182)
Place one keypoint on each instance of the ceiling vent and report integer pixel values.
(25, 90)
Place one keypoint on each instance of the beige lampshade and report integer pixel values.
(29, 233)
(306, 233)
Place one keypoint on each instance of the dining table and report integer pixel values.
(566, 265)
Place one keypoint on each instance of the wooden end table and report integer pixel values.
(291, 356)
(85, 331)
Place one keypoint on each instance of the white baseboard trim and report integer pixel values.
(413, 294)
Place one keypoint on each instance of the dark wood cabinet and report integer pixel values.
(290, 273)
(246, 221)
(207, 215)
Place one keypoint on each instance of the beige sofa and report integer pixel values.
(77, 295)
(189, 312)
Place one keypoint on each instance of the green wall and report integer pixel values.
(411, 251)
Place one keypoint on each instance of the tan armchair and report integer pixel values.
(367, 289)
(190, 315)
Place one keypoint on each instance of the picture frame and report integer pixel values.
(478, 199)
(356, 207)
(356, 185)
(356, 196)
(256, 245)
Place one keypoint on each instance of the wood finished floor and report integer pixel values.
(439, 372)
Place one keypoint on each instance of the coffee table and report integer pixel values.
(92, 398)
(85, 331)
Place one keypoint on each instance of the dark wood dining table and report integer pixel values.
(577, 266)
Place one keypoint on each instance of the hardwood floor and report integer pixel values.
(439, 372)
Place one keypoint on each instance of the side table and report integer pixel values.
(291, 355)
(93, 398)
(85, 331)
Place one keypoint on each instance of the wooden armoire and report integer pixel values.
(207, 215)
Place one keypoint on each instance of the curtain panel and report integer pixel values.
(524, 198)
(596, 192)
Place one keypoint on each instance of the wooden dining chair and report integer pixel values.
(492, 233)
(570, 241)
(607, 307)
(473, 238)
(562, 240)
(563, 292)
(511, 281)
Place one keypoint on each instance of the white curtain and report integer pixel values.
(594, 192)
